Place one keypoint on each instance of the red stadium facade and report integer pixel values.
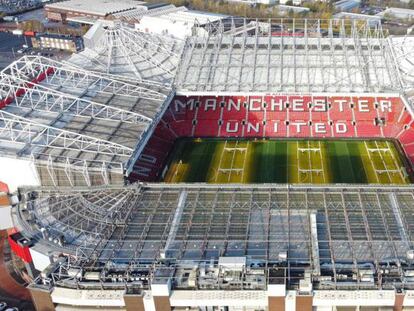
(276, 116)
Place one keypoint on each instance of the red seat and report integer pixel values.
(163, 131)
(183, 128)
(364, 108)
(254, 129)
(275, 128)
(407, 136)
(320, 109)
(168, 115)
(209, 108)
(321, 129)
(206, 128)
(343, 129)
(256, 109)
(409, 148)
(235, 108)
(390, 108)
(299, 128)
(299, 103)
(340, 108)
(184, 107)
(367, 129)
(276, 107)
(391, 130)
(231, 128)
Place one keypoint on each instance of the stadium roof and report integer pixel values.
(82, 127)
(114, 48)
(326, 230)
(297, 56)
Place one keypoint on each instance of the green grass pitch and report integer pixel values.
(286, 161)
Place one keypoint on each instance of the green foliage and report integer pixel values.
(318, 9)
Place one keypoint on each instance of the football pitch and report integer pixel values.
(286, 161)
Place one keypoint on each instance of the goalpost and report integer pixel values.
(309, 150)
(231, 169)
(381, 151)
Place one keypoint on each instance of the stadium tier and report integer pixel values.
(276, 117)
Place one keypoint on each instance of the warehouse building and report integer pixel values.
(398, 13)
(176, 21)
(61, 11)
(372, 20)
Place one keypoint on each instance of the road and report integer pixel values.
(37, 15)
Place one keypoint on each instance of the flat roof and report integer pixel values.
(172, 13)
(96, 7)
(356, 15)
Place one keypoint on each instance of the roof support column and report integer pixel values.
(304, 302)
(134, 301)
(161, 290)
(399, 301)
(276, 290)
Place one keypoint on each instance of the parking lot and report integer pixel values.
(12, 47)
(9, 44)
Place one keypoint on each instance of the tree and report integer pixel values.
(411, 4)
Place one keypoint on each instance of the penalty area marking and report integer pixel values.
(309, 150)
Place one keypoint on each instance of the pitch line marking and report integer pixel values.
(221, 159)
(321, 158)
(383, 162)
(232, 161)
(244, 161)
(371, 161)
(395, 161)
(310, 162)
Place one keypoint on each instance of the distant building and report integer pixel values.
(285, 9)
(294, 2)
(135, 15)
(372, 20)
(178, 23)
(59, 42)
(267, 2)
(61, 11)
(398, 13)
(347, 5)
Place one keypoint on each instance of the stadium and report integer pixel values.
(255, 165)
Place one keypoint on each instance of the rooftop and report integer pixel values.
(114, 48)
(80, 127)
(303, 56)
(333, 233)
(170, 12)
(96, 7)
